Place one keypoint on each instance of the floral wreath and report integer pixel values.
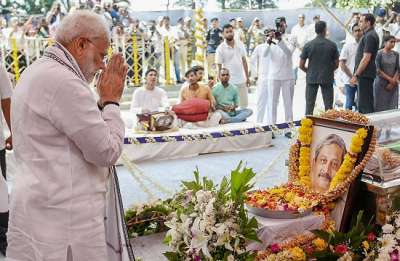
(300, 151)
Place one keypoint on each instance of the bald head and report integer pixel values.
(82, 23)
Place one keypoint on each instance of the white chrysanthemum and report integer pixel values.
(388, 242)
(397, 220)
(231, 258)
(387, 229)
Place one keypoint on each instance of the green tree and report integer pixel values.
(235, 4)
(35, 6)
(366, 3)
(317, 3)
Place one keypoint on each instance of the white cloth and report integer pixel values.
(5, 93)
(3, 195)
(232, 59)
(63, 147)
(258, 63)
(311, 34)
(274, 91)
(279, 57)
(300, 34)
(394, 30)
(149, 100)
(262, 100)
(189, 148)
(348, 53)
(243, 95)
(278, 230)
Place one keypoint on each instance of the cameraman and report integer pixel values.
(280, 75)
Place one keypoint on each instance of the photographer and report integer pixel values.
(280, 75)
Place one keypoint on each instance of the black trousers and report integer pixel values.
(3, 216)
(365, 92)
(311, 96)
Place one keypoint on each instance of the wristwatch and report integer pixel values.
(104, 104)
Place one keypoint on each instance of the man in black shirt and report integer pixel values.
(323, 60)
(365, 69)
(214, 38)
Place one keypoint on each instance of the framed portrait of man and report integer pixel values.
(330, 142)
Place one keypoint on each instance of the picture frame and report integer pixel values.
(329, 136)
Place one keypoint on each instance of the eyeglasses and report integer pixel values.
(101, 53)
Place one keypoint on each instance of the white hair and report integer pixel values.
(82, 23)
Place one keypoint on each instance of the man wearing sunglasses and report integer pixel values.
(65, 143)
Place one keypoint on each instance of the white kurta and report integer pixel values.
(63, 146)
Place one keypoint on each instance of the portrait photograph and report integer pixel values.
(329, 145)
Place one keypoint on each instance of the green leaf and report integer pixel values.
(172, 256)
(167, 239)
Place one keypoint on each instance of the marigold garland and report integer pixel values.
(299, 166)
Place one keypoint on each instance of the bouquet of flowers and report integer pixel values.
(288, 197)
(210, 222)
(357, 244)
(388, 244)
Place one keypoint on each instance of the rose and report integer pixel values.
(394, 256)
(341, 249)
(371, 236)
(275, 248)
(309, 250)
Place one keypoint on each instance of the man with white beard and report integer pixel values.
(65, 144)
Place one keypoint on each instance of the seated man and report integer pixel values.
(227, 99)
(149, 98)
(200, 91)
(200, 75)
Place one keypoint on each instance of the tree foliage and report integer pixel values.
(366, 3)
(34, 6)
(235, 4)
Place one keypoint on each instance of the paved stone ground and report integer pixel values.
(215, 166)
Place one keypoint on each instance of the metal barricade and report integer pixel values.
(140, 54)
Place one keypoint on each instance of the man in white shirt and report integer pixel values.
(394, 29)
(65, 145)
(149, 98)
(299, 32)
(347, 62)
(5, 96)
(311, 28)
(231, 54)
(259, 69)
(167, 32)
(280, 75)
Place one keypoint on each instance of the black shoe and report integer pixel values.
(288, 135)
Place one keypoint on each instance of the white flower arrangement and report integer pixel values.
(388, 247)
(211, 223)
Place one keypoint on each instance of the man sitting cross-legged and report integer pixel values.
(195, 90)
(227, 100)
(149, 98)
